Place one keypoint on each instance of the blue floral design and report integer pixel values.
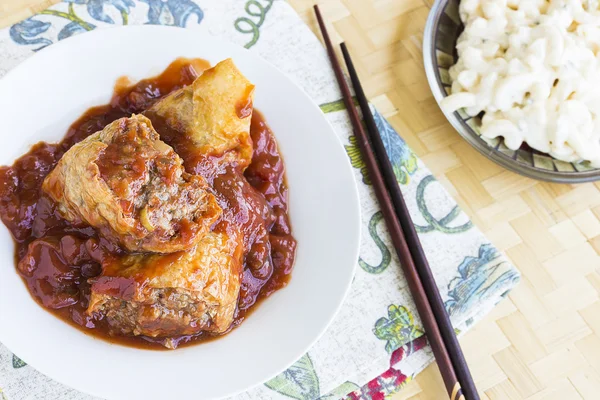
(172, 12)
(96, 8)
(404, 161)
(72, 28)
(34, 31)
(480, 277)
(25, 32)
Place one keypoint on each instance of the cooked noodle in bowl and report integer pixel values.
(531, 67)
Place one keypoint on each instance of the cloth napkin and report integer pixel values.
(376, 344)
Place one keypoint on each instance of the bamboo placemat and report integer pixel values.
(544, 341)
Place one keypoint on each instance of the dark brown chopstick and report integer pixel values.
(393, 224)
(418, 255)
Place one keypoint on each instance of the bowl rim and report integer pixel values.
(433, 79)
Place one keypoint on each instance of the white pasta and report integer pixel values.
(533, 68)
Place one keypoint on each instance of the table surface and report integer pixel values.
(543, 342)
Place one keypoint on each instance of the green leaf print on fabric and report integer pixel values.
(71, 16)
(386, 256)
(17, 362)
(397, 329)
(404, 161)
(257, 11)
(401, 386)
(3, 395)
(341, 391)
(356, 160)
(298, 381)
(434, 224)
(334, 106)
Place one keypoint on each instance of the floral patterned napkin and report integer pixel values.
(376, 343)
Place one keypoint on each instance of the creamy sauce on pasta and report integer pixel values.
(533, 68)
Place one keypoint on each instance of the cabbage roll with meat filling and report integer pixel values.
(132, 187)
(209, 119)
(160, 295)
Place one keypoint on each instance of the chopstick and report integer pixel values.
(416, 249)
(415, 284)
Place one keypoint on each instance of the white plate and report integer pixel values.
(39, 100)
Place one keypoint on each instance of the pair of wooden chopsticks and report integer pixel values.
(446, 349)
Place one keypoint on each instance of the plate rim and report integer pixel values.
(354, 189)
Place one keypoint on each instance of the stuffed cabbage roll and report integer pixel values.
(209, 118)
(161, 295)
(132, 187)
